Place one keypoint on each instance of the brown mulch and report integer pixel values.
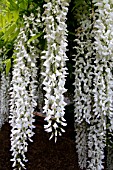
(42, 153)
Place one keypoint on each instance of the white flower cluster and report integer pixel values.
(4, 98)
(110, 158)
(81, 144)
(84, 68)
(104, 56)
(103, 92)
(4, 90)
(54, 18)
(23, 91)
(93, 84)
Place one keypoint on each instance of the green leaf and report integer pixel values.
(78, 2)
(8, 65)
(14, 35)
(9, 31)
(23, 5)
(16, 15)
(9, 16)
(13, 5)
(34, 37)
(2, 23)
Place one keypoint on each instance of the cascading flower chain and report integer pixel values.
(4, 90)
(93, 85)
(4, 98)
(23, 91)
(54, 18)
(103, 91)
(84, 75)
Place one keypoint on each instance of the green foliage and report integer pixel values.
(11, 19)
(7, 62)
(35, 37)
(9, 25)
(10, 33)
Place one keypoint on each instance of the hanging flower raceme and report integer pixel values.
(55, 72)
(23, 91)
(104, 54)
(4, 91)
(93, 85)
(84, 75)
(4, 98)
(103, 92)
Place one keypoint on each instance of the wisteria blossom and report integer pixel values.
(84, 68)
(93, 83)
(54, 17)
(38, 75)
(23, 91)
(4, 89)
(4, 98)
(103, 91)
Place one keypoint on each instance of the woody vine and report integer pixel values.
(39, 48)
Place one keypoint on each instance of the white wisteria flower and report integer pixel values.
(4, 98)
(23, 90)
(4, 89)
(84, 68)
(93, 83)
(103, 92)
(54, 17)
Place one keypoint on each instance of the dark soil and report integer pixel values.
(43, 154)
